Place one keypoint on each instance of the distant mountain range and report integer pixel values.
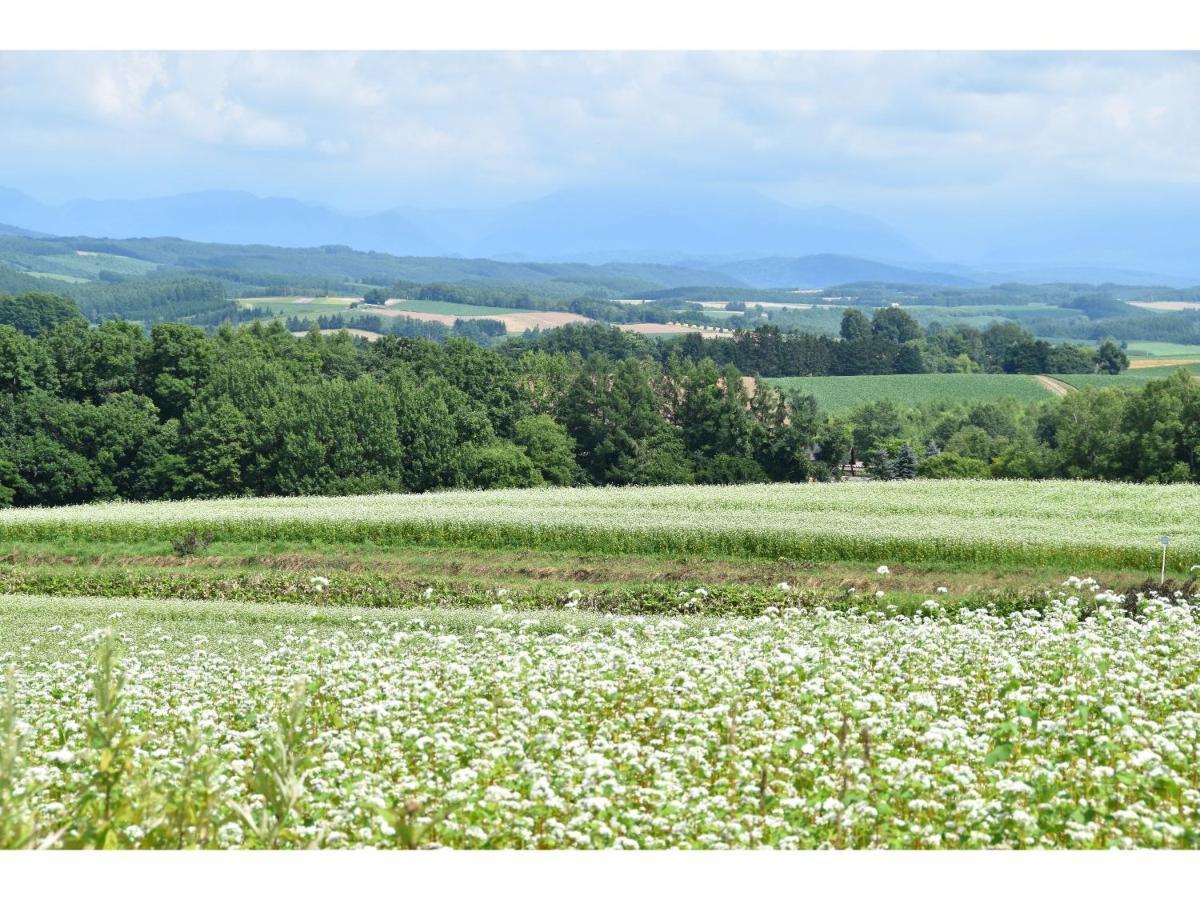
(828, 269)
(586, 225)
(741, 235)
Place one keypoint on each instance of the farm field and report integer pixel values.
(670, 329)
(1160, 350)
(170, 725)
(840, 393)
(901, 664)
(1130, 378)
(993, 523)
(515, 320)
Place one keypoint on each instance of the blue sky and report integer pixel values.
(926, 141)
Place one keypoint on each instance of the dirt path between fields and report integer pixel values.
(1054, 386)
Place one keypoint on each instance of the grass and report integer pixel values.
(841, 393)
(1089, 526)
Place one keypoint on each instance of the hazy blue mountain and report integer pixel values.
(588, 225)
(827, 269)
(601, 225)
(232, 217)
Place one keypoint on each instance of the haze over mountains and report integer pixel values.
(741, 234)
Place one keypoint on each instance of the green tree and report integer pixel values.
(1111, 359)
(36, 312)
(895, 324)
(855, 325)
(500, 465)
(951, 465)
(176, 366)
(550, 449)
(611, 414)
(906, 463)
(18, 361)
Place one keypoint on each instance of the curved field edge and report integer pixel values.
(1084, 524)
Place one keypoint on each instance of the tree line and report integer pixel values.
(91, 413)
(113, 411)
(890, 342)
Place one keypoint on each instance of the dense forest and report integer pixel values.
(90, 413)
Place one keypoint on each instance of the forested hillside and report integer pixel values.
(90, 413)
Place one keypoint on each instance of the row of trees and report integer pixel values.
(103, 412)
(889, 342)
(90, 413)
(1151, 434)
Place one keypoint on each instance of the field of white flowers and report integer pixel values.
(160, 724)
(1075, 524)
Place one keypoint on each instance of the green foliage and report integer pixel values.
(36, 312)
(549, 448)
(951, 465)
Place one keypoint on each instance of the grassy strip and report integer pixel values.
(376, 591)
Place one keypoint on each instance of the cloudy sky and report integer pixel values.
(915, 138)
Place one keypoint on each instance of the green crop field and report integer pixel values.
(994, 522)
(837, 394)
(1161, 350)
(1130, 378)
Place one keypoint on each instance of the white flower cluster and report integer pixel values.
(812, 729)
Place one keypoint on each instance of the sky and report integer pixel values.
(930, 142)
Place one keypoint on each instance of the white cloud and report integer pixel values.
(385, 125)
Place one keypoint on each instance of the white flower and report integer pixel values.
(783, 586)
(64, 756)
(942, 590)
(230, 834)
(883, 570)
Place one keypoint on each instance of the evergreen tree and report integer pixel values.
(906, 463)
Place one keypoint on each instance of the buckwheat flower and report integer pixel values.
(427, 593)
(878, 594)
(64, 756)
(230, 835)
(783, 586)
(883, 570)
(497, 607)
(942, 590)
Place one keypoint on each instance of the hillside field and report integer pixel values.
(1130, 378)
(841, 393)
(902, 664)
(994, 522)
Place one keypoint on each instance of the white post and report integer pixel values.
(1163, 575)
